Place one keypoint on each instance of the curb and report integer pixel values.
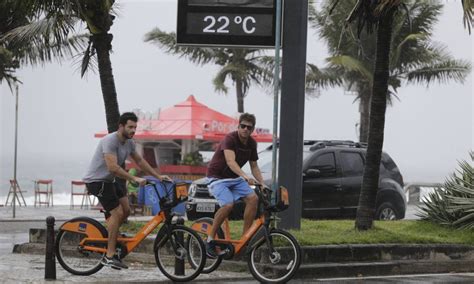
(331, 261)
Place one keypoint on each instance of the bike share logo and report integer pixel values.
(152, 197)
(82, 227)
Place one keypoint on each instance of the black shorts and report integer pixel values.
(108, 193)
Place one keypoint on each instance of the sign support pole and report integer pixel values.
(276, 99)
(295, 28)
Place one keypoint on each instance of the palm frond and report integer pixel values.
(39, 52)
(86, 59)
(454, 205)
(350, 64)
(395, 57)
(321, 78)
(8, 65)
(468, 8)
(232, 70)
(167, 42)
(48, 30)
(442, 72)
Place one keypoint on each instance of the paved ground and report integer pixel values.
(27, 268)
(24, 268)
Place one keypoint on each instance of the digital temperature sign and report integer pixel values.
(245, 23)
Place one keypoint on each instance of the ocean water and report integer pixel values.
(61, 169)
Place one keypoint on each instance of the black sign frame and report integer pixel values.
(184, 38)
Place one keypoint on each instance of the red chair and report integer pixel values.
(43, 189)
(78, 188)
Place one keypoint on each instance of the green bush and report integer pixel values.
(453, 205)
(193, 159)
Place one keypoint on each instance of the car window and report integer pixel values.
(388, 163)
(352, 164)
(325, 163)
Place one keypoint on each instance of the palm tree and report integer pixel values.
(378, 14)
(414, 57)
(243, 66)
(53, 22)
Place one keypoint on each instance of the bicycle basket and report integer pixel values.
(282, 202)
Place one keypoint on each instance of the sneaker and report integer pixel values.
(211, 249)
(113, 262)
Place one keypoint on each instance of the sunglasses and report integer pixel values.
(243, 126)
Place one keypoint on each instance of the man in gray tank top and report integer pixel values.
(106, 177)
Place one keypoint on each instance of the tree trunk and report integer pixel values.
(102, 44)
(364, 110)
(240, 95)
(366, 208)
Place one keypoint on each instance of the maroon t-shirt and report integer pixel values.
(243, 153)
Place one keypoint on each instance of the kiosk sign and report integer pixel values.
(245, 23)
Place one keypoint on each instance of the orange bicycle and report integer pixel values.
(81, 242)
(273, 255)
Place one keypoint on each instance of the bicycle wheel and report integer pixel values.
(172, 251)
(71, 255)
(211, 263)
(278, 266)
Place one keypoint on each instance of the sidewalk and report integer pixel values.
(29, 268)
(59, 212)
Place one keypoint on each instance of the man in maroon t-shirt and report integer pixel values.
(227, 182)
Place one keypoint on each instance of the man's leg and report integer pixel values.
(107, 195)
(121, 190)
(219, 218)
(242, 190)
(113, 225)
(251, 204)
(125, 207)
(220, 190)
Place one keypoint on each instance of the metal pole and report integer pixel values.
(50, 260)
(179, 265)
(276, 99)
(15, 182)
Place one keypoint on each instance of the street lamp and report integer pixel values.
(15, 183)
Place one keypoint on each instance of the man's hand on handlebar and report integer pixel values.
(165, 178)
(250, 181)
(140, 181)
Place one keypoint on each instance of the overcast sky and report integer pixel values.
(426, 132)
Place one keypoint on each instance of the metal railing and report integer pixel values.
(416, 191)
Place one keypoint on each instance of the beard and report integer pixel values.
(128, 135)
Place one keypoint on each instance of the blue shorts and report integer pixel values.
(229, 190)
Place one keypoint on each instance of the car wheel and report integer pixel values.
(386, 211)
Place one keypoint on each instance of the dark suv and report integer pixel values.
(332, 179)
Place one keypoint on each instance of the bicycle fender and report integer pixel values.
(203, 225)
(161, 233)
(85, 225)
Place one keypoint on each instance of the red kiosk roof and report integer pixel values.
(190, 120)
